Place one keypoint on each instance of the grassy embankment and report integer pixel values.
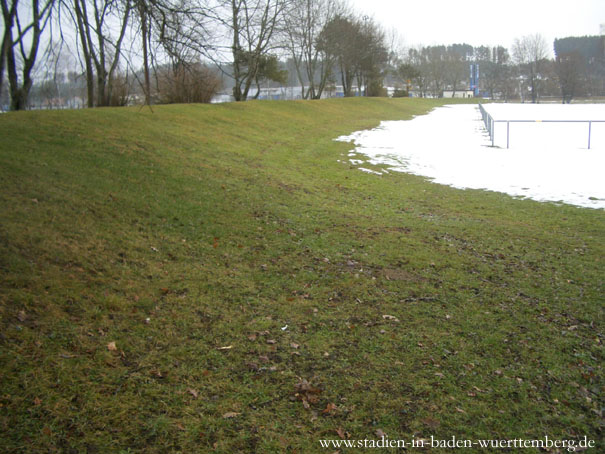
(211, 279)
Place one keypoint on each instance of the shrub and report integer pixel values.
(187, 83)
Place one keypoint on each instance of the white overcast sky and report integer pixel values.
(488, 22)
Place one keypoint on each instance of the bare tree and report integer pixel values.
(183, 29)
(101, 49)
(252, 25)
(22, 49)
(530, 52)
(303, 23)
(436, 67)
(8, 15)
(144, 16)
(496, 72)
(416, 58)
(456, 57)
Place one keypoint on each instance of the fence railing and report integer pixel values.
(490, 124)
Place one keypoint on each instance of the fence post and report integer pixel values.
(507, 133)
(589, 130)
(493, 132)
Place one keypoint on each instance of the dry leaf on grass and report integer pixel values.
(306, 393)
(329, 409)
(193, 392)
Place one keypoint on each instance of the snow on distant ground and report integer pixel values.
(546, 135)
(545, 161)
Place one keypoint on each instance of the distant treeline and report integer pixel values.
(89, 53)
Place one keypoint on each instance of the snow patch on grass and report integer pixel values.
(546, 161)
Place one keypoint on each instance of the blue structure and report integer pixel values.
(474, 85)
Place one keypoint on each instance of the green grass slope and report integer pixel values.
(211, 279)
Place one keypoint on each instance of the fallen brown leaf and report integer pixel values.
(230, 414)
(112, 347)
(307, 393)
(329, 409)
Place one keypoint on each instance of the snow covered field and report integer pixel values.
(546, 134)
(545, 162)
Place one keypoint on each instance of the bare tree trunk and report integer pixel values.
(252, 23)
(19, 92)
(118, 48)
(95, 57)
(8, 15)
(90, 92)
(236, 50)
(143, 15)
(325, 72)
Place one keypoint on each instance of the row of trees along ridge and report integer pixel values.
(114, 52)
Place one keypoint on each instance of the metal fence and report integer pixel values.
(490, 124)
